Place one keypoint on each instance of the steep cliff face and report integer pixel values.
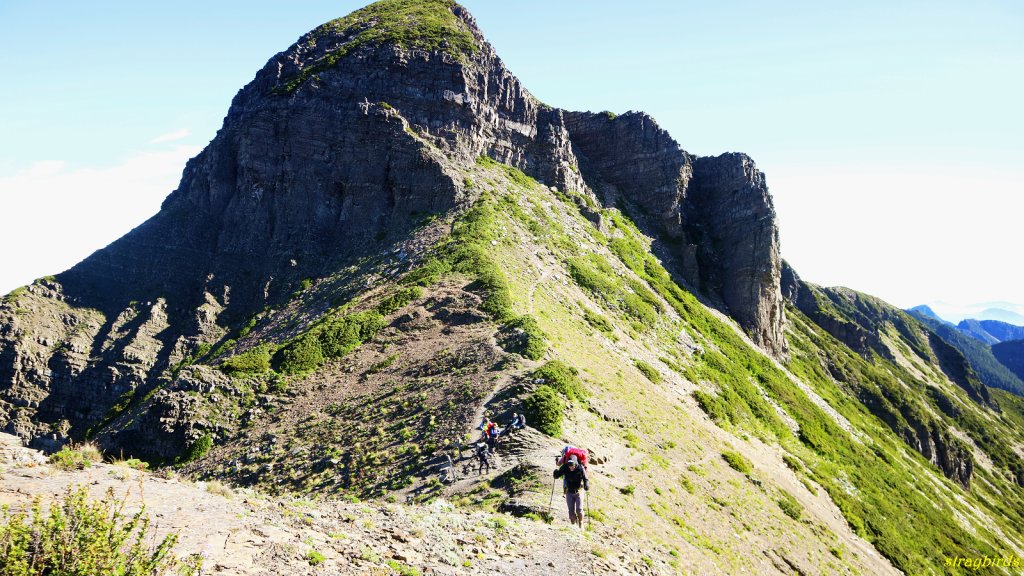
(714, 214)
(731, 220)
(630, 157)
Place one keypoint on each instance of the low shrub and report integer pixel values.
(133, 463)
(428, 273)
(76, 457)
(383, 364)
(792, 462)
(198, 449)
(790, 507)
(315, 558)
(399, 300)
(562, 377)
(649, 371)
(597, 321)
(593, 273)
(636, 307)
(737, 462)
(339, 336)
(531, 342)
(301, 355)
(83, 536)
(253, 361)
(711, 406)
(220, 489)
(544, 409)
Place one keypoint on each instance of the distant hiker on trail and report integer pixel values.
(484, 427)
(518, 422)
(448, 469)
(481, 455)
(575, 478)
(491, 433)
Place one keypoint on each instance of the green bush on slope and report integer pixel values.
(332, 338)
(563, 378)
(544, 410)
(254, 361)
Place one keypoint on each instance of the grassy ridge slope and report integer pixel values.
(698, 437)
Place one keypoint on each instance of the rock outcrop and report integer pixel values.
(730, 218)
(714, 214)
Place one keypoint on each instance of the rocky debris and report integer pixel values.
(248, 534)
(14, 454)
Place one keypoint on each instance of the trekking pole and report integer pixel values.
(587, 502)
(552, 499)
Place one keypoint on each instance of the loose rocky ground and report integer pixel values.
(243, 532)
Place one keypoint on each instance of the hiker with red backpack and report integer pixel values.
(574, 477)
(491, 433)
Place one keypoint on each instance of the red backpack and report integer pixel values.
(582, 455)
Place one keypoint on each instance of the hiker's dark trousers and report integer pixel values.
(575, 504)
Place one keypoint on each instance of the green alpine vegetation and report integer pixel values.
(80, 535)
(429, 25)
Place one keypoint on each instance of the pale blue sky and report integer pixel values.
(890, 132)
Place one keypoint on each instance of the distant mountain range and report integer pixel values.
(991, 331)
(979, 355)
(1001, 315)
(994, 348)
(1001, 311)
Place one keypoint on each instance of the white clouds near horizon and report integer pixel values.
(172, 136)
(55, 214)
(907, 234)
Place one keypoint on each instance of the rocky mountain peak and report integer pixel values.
(432, 26)
(339, 148)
